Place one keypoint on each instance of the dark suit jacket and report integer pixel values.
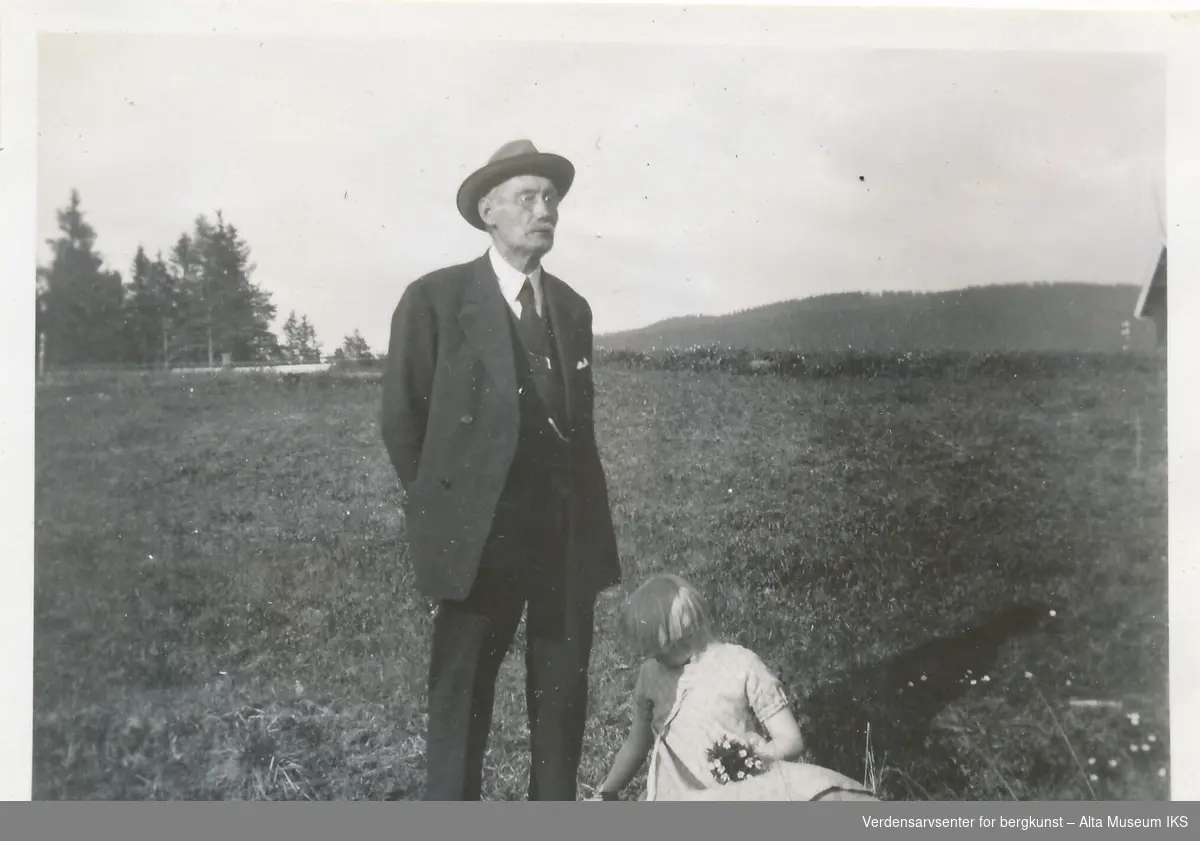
(450, 424)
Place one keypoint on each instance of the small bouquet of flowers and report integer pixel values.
(731, 761)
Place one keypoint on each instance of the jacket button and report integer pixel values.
(466, 418)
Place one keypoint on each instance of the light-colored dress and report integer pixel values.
(726, 690)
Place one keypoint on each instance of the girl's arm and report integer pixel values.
(769, 702)
(630, 757)
(786, 743)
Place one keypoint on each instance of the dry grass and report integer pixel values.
(224, 610)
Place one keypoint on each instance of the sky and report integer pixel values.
(709, 178)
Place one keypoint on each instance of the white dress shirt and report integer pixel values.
(511, 281)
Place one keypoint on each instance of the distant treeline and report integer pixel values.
(850, 364)
(945, 366)
(195, 305)
(868, 365)
(199, 305)
(1045, 317)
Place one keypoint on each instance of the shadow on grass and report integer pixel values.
(900, 697)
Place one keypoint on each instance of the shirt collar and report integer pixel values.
(512, 280)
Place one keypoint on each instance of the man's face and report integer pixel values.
(522, 213)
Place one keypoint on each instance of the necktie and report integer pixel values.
(532, 323)
(537, 340)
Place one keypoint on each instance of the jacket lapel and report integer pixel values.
(484, 318)
(566, 331)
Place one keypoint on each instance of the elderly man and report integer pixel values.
(487, 418)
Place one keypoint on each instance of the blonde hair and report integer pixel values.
(663, 612)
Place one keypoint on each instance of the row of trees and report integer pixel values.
(192, 306)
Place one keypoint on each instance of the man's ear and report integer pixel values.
(485, 210)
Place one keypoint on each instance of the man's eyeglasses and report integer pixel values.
(529, 200)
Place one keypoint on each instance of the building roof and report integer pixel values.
(1153, 299)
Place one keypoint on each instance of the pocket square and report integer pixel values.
(583, 363)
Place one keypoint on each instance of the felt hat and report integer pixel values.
(517, 157)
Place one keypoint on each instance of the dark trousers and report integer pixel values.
(522, 567)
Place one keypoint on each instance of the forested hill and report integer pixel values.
(1047, 317)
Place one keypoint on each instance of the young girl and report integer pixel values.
(692, 691)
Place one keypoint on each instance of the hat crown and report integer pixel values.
(513, 149)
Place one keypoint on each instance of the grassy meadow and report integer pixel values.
(959, 573)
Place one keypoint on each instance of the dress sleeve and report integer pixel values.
(764, 691)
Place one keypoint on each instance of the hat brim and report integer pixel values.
(555, 167)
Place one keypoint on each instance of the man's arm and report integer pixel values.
(408, 381)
